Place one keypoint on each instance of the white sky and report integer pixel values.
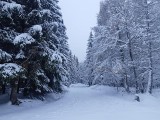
(79, 17)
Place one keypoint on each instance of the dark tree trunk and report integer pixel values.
(13, 97)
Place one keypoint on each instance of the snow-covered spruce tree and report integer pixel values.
(12, 21)
(59, 40)
(73, 69)
(30, 50)
(82, 73)
(46, 27)
(89, 60)
(31, 36)
(76, 69)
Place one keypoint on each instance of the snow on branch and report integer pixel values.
(5, 56)
(10, 6)
(23, 39)
(36, 29)
(10, 70)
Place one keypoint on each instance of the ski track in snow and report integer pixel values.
(89, 103)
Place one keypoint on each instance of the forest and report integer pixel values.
(123, 50)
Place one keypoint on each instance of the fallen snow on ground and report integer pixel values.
(87, 103)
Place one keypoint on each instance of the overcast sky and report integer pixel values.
(79, 17)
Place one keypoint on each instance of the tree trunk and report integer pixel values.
(125, 83)
(150, 79)
(131, 57)
(134, 69)
(125, 78)
(13, 97)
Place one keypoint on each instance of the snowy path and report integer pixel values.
(95, 103)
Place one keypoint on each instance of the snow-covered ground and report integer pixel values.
(86, 103)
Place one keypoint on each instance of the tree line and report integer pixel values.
(124, 48)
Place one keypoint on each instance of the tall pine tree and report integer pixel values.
(33, 39)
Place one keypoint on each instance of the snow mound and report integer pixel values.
(78, 85)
